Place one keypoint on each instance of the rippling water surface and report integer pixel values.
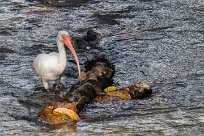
(160, 41)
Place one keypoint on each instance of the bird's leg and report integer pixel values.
(46, 85)
(58, 88)
(57, 84)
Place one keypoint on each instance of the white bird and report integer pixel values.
(50, 67)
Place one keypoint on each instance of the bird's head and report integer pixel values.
(64, 37)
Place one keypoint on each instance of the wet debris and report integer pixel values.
(136, 90)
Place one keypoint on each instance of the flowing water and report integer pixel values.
(160, 41)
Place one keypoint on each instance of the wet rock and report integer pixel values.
(91, 35)
(89, 40)
(81, 43)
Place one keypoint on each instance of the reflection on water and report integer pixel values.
(157, 41)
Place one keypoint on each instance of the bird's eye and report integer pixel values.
(66, 37)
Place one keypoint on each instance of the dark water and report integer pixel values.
(160, 41)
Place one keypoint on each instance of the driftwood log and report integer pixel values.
(97, 76)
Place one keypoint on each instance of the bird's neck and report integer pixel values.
(62, 53)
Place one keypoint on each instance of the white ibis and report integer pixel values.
(50, 67)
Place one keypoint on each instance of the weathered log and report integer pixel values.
(97, 76)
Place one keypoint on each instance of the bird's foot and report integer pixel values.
(48, 92)
(59, 93)
(58, 90)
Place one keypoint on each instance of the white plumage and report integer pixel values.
(51, 66)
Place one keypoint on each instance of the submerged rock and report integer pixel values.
(91, 35)
(89, 40)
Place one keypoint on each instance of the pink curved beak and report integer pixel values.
(68, 43)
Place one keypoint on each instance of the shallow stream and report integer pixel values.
(160, 41)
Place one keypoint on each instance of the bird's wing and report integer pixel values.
(54, 53)
(46, 63)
